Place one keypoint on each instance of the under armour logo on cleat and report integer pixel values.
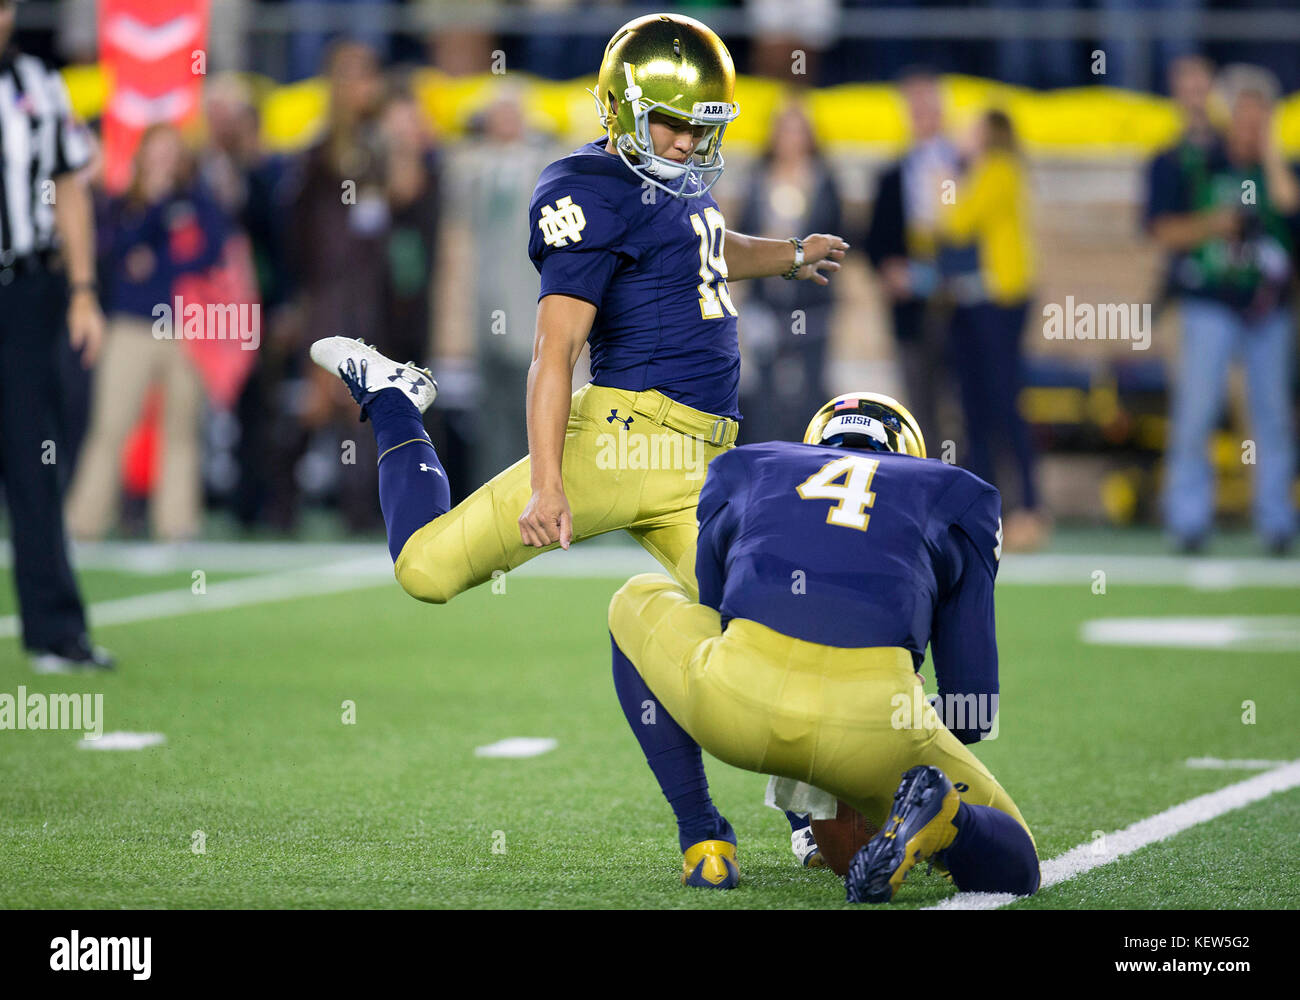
(613, 415)
(401, 376)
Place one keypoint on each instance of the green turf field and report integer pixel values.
(298, 809)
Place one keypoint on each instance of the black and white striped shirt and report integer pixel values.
(40, 139)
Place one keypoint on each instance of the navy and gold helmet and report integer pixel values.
(868, 420)
(675, 66)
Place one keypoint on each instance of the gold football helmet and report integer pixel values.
(675, 66)
(866, 420)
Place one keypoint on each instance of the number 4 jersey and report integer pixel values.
(653, 267)
(855, 548)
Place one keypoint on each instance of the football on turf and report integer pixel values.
(839, 838)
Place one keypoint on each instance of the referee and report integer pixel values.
(44, 205)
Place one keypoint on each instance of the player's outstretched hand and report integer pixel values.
(547, 519)
(822, 253)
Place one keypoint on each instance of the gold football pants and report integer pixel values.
(632, 460)
(766, 702)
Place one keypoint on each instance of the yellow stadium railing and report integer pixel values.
(864, 118)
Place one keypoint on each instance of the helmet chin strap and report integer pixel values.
(654, 165)
(659, 170)
(664, 171)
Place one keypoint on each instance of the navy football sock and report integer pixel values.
(991, 853)
(413, 487)
(673, 756)
(798, 820)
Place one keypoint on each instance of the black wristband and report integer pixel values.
(793, 273)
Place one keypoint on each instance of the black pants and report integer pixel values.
(921, 332)
(987, 354)
(32, 453)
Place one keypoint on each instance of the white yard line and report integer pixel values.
(339, 577)
(1151, 570)
(1143, 833)
(1234, 764)
(231, 557)
(286, 570)
(1245, 633)
(613, 560)
(362, 571)
(264, 557)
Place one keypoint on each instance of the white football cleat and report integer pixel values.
(805, 848)
(373, 371)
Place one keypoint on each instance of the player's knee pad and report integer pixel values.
(432, 588)
(626, 592)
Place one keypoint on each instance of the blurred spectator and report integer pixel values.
(315, 21)
(464, 43)
(164, 226)
(1191, 82)
(1138, 63)
(576, 44)
(340, 213)
(502, 168)
(244, 178)
(1224, 211)
(77, 39)
(1045, 62)
(250, 184)
(413, 188)
(991, 281)
(790, 47)
(902, 245)
(787, 323)
(339, 219)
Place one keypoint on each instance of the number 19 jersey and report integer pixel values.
(653, 266)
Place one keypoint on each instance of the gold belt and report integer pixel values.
(718, 431)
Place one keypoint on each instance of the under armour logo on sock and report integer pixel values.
(430, 468)
(613, 415)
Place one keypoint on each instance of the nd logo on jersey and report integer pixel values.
(562, 224)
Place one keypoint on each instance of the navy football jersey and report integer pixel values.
(653, 267)
(856, 548)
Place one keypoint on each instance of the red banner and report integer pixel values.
(155, 53)
(226, 295)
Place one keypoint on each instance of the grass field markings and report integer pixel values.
(120, 740)
(156, 558)
(1111, 847)
(361, 571)
(334, 578)
(1234, 764)
(600, 559)
(1247, 633)
(518, 746)
(1153, 570)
